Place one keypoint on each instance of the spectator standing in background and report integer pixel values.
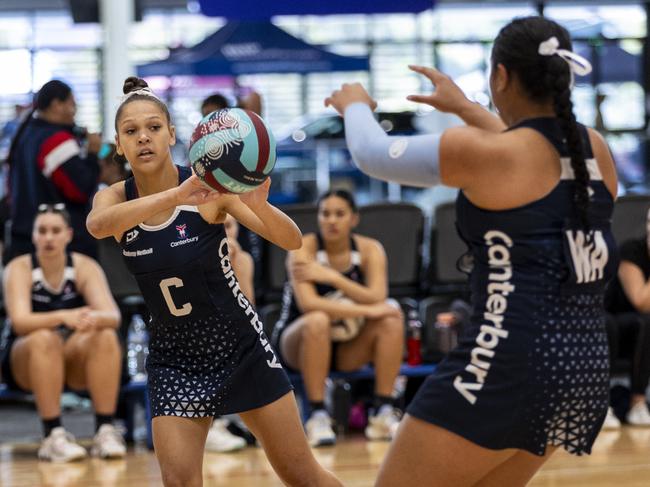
(51, 160)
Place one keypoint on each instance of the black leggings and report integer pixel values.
(629, 338)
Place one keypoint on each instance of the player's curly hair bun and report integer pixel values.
(133, 83)
(131, 89)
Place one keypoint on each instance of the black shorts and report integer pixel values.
(5, 366)
(5, 361)
(279, 330)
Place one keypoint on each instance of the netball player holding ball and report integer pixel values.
(208, 354)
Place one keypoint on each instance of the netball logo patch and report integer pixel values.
(181, 229)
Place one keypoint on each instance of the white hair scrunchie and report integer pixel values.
(141, 91)
(577, 64)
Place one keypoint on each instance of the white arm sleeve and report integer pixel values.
(409, 160)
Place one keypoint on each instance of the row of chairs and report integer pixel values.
(409, 242)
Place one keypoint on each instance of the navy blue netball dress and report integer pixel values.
(532, 367)
(44, 298)
(208, 354)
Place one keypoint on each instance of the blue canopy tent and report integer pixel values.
(251, 48)
(254, 9)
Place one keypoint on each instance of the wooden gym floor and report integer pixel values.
(619, 459)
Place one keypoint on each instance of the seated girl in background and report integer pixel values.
(337, 281)
(61, 330)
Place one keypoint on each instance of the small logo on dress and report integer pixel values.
(131, 236)
(181, 230)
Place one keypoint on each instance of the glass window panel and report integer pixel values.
(592, 21)
(629, 151)
(20, 78)
(325, 30)
(15, 30)
(626, 20)
(623, 106)
(187, 29)
(151, 31)
(584, 104)
(58, 30)
(467, 64)
(321, 85)
(392, 81)
(393, 27)
(474, 21)
(281, 96)
(426, 25)
(147, 54)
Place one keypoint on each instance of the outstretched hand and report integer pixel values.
(258, 196)
(347, 95)
(194, 192)
(446, 97)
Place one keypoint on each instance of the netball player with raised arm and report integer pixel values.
(208, 354)
(530, 373)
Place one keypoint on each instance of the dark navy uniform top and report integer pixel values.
(208, 354)
(174, 262)
(532, 365)
(547, 249)
(290, 309)
(46, 298)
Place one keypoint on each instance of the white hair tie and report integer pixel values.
(577, 64)
(141, 91)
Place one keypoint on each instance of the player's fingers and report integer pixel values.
(428, 99)
(432, 73)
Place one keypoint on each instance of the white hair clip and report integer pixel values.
(142, 91)
(577, 64)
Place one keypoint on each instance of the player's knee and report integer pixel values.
(106, 340)
(316, 326)
(178, 476)
(44, 342)
(392, 325)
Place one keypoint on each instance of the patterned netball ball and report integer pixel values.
(232, 150)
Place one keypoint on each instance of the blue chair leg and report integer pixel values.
(130, 401)
(147, 418)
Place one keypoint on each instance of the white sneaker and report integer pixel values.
(383, 425)
(108, 443)
(319, 429)
(611, 421)
(60, 447)
(220, 440)
(638, 415)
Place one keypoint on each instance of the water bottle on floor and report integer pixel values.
(414, 338)
(137, 348)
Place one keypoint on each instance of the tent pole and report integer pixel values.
(304, 106)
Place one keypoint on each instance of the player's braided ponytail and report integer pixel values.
(560, 79)
(546, 78)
